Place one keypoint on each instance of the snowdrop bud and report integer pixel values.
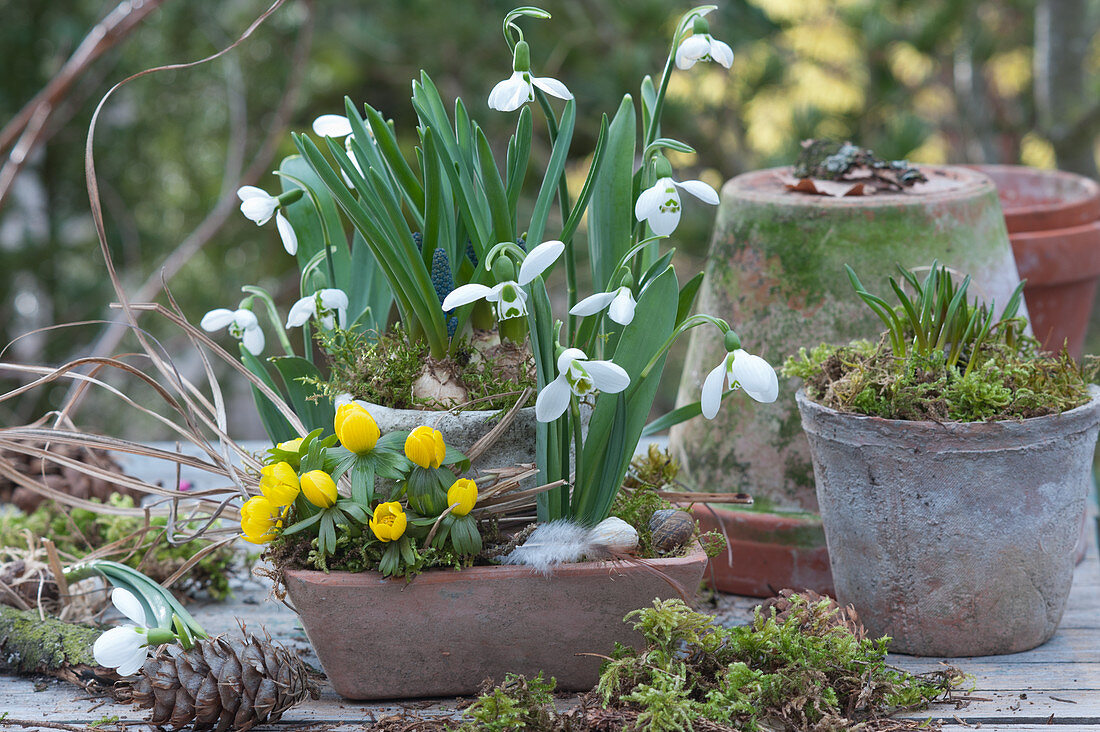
(285, 199)
(732, 341)
(521, 59)
(503, 269)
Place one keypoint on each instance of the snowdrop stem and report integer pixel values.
(688, 324)
(272, 315)
(681, 29)
(325, 235)
(578, 439)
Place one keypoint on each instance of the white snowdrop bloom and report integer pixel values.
(703, 47)
(659, 205)
(508, 298)
(620, 305)
(577, 375)
(258, 205)
(739, 369)
(242, 324)
(124, 648)
(328, 306)
(519, 88)
(331, 125)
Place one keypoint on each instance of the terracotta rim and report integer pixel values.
(1076, 203)
(496, 572)
(1059, 255)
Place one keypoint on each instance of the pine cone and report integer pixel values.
(222, 683)
(812, 618)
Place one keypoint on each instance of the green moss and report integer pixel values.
(30, 644)
(517, 703)
(1007, 382)
(807, 672)
(78, 531)
(383, 370)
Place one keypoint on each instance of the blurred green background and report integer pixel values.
(933, 81)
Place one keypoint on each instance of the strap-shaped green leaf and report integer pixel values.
(611, 211)
(314, 412)
(554, 170)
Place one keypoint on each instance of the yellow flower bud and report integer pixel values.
(319, 488)
(424, 446)
(463, 492)
(290, 445)
(389, 521)
(279, 483)
(260, 520)
(357, 430)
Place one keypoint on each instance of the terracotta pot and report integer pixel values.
(446, 632)
(767, 552)
(1053, 220)
(775, 272)
(954, 539)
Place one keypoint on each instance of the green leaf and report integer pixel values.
(554, 170)
(275, 424)
(369, 293)
(618, 420)
(687, 297)
(494, 190)
(314, 409)
(314, 216)
(302, 525)
(611, 211)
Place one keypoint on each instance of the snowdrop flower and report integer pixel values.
(124, 648)
(660, 205)
(329, 306)
(702, 46)
(335, 125)
(519, 88)
(258, 205)
(242, 325)
(620, 305)
(577, 375)
(508, 298)
(740, 369)
(331, 125)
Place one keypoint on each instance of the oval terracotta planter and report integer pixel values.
(1053, 220)
(954, 539)
(446, 632)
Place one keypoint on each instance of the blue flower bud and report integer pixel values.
(441, 274)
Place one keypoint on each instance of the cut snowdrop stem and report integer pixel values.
(272, 314)
(688, 324)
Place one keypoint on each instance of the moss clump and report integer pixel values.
(517, 703)
(1005, 382)
(803, 673)
(78, 531)
(29, 644)
(383, 369)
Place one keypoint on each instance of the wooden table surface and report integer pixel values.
(1056, 685)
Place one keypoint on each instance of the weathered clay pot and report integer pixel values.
(1053, 221)
(954, 539)
(448, 631)
(767, 552)
(775, 272)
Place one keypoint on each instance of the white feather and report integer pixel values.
(553, 543)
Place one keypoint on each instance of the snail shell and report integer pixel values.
(671, 529)
(617, 535)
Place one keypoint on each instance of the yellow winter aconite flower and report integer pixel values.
(279, 483)
(389, 521)
(319, 488)
(260, 520)
(357, 430)
(424, 446)
(463, 492)
(290, 445)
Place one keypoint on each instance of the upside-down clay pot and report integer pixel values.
(954, 539)
(775, 272)
(446, 632)
(1053, 221)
